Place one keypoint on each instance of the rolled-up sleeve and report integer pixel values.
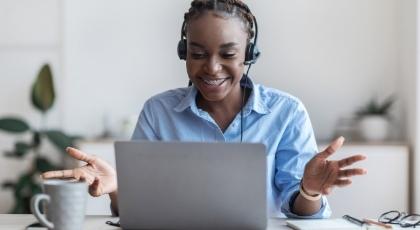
(296, 148)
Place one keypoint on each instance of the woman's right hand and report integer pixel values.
(100, 176)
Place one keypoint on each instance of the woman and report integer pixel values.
(223, 104)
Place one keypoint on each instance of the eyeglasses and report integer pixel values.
(116, 224)
(403, 219)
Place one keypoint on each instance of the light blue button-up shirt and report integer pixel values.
(274, 118)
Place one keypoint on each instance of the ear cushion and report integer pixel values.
(252, 53)
(182, 49)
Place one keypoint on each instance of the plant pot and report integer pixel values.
(374, 127)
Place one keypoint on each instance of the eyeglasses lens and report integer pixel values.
(410, 220)
(389, 217)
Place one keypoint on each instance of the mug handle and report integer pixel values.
(35, 209)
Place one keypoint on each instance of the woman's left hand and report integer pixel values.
(321, 175)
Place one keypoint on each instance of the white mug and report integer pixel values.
(65, 204)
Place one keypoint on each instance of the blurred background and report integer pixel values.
(349, 61)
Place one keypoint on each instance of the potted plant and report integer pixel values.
(27, 184)
(374, 119)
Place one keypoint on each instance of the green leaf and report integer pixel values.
(24, 190)
(76, 137)
(13, 125)
(43, 94)
(22, 205)
(8, 184)
(13, 154)
(43, 164)
(384, 108)
(59, 139)
(20, 150)
(374, 107)
(21, 188)
(10, 154)
(36, 189)
(36, 140)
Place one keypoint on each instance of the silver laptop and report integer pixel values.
(184, 185)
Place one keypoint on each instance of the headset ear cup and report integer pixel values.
(252, 54)
(248, 57)
(182, 49)
(255, 53)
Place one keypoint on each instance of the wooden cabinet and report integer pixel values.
(385, 187)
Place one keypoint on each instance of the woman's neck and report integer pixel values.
(223, 112)
(231, 103)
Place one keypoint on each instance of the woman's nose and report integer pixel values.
(212, 65)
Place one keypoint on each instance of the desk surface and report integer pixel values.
(19, 222)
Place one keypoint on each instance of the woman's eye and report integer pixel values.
(198, 55)
(228, 55)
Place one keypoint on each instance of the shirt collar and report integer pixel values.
(188, 100)
(254, 103)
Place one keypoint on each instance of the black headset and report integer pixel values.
(251, 53)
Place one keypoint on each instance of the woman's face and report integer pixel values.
(215, 55)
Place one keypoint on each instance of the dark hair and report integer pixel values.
(229, 7)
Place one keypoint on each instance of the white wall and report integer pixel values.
(415, 112)
(415, 103)
(334, 55)
(29, 37)
(408, 83)
(117, 54)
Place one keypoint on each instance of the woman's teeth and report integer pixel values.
(215, 82)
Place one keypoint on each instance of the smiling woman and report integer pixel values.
(215, 42)
(215, 66)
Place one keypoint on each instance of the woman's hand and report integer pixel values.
(321, 175)
(100, 176)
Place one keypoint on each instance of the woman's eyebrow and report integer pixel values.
(223, 46)
(229, 45)
(196, 45)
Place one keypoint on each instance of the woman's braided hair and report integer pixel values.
(228, 7)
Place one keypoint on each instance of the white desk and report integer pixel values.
(19, 222)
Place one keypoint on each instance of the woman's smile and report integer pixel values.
(214, 81)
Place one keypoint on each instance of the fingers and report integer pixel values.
(94, 188)
(339, 178)
(350, 160)
(342, 182)
(60, 174)
(327, 191)
(79, 155)
(339, 183)
(77, 174)
(86, 177)
(351, 172)
(332, 148)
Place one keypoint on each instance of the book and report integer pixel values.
(322, 224)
